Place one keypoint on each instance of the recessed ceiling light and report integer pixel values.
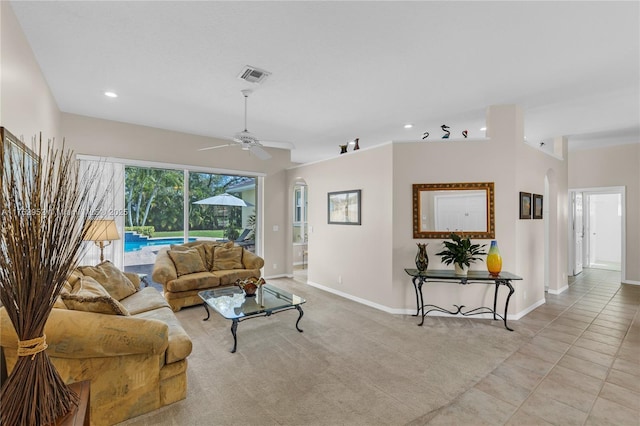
(111, 94)
(482, 129)
(408, 126)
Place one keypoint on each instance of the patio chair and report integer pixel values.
(242, 240)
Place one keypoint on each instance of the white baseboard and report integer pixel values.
(560, 290)
(278, 276)
(360, 300)
(632, 282)
(412, 311)
(520, 314)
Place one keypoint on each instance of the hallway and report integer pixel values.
(581, 367)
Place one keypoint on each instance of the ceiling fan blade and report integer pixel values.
(215, 147)
(278, 144)
(259, 152)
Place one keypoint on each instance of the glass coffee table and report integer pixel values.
(234, 305)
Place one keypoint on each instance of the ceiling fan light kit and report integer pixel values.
(245, 139)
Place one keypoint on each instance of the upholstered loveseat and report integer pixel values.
(133, 350)
(185, 270)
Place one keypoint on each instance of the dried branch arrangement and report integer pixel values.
(45, 205)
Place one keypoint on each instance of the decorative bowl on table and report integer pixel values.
(250, 285)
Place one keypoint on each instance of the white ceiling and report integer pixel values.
(342, 70)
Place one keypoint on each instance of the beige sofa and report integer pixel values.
(136, 362)
(185, 270)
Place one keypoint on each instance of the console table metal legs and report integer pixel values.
(418, 281)
(235, 321)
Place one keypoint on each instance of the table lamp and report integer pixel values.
(102, 231)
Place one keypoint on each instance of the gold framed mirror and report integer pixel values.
(442, 208)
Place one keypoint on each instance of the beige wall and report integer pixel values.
(352, 260)
(92, 136)
(614, 166)
(513, 166)
(27, 107)
(371, 258)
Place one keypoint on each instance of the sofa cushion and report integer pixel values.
(74, 276)
(180, 345)
(144, 300)
(227, 258)
(111, 278)
(202, 251)
(59, 303)
(230, 276)
(187, 261)
(198, 280)
(88, 295)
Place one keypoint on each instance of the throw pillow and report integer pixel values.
(89, 296)
(202, 251)
(73, 277)
(225, 258)
(187, 261)
(111, 278)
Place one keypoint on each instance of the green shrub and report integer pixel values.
(232, 233)
(142, 230)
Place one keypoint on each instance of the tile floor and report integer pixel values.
(581, 367)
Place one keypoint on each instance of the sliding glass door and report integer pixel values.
(172, 206)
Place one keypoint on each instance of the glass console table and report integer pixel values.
(473, 277)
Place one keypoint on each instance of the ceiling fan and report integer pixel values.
(247, 141)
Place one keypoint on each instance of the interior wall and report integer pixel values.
(27, 106)
(367, 262)
(614, 166)
(534, 165)
(513, 166)
(92, 136)
(350, 259)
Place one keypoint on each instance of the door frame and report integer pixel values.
(596, 191)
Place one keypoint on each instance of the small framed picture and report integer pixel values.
(537, 206)
(525, 205)
(343, 207)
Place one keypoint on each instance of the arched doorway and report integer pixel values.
(300, 231)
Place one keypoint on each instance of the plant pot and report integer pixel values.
(461, 270)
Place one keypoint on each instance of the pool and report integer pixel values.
(137, 245)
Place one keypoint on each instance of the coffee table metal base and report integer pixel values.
(235, 321)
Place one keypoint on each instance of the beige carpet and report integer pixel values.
(352, 365)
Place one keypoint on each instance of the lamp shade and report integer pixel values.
(102, 230)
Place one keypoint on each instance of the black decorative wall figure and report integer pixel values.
(465, 133)
(445, 129)
(425, 135)
(343, 149)
(356, 146)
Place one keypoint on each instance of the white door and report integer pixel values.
(578, 230)
(605, 229)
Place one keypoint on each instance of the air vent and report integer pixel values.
(253, 75)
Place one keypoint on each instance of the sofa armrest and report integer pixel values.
(164, 270)
(251, 260)
(77, 334)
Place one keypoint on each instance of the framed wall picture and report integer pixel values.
(343, 207)
(16, 152)
(537, 206)
(525, 205)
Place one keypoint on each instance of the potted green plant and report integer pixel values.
(460, 252)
